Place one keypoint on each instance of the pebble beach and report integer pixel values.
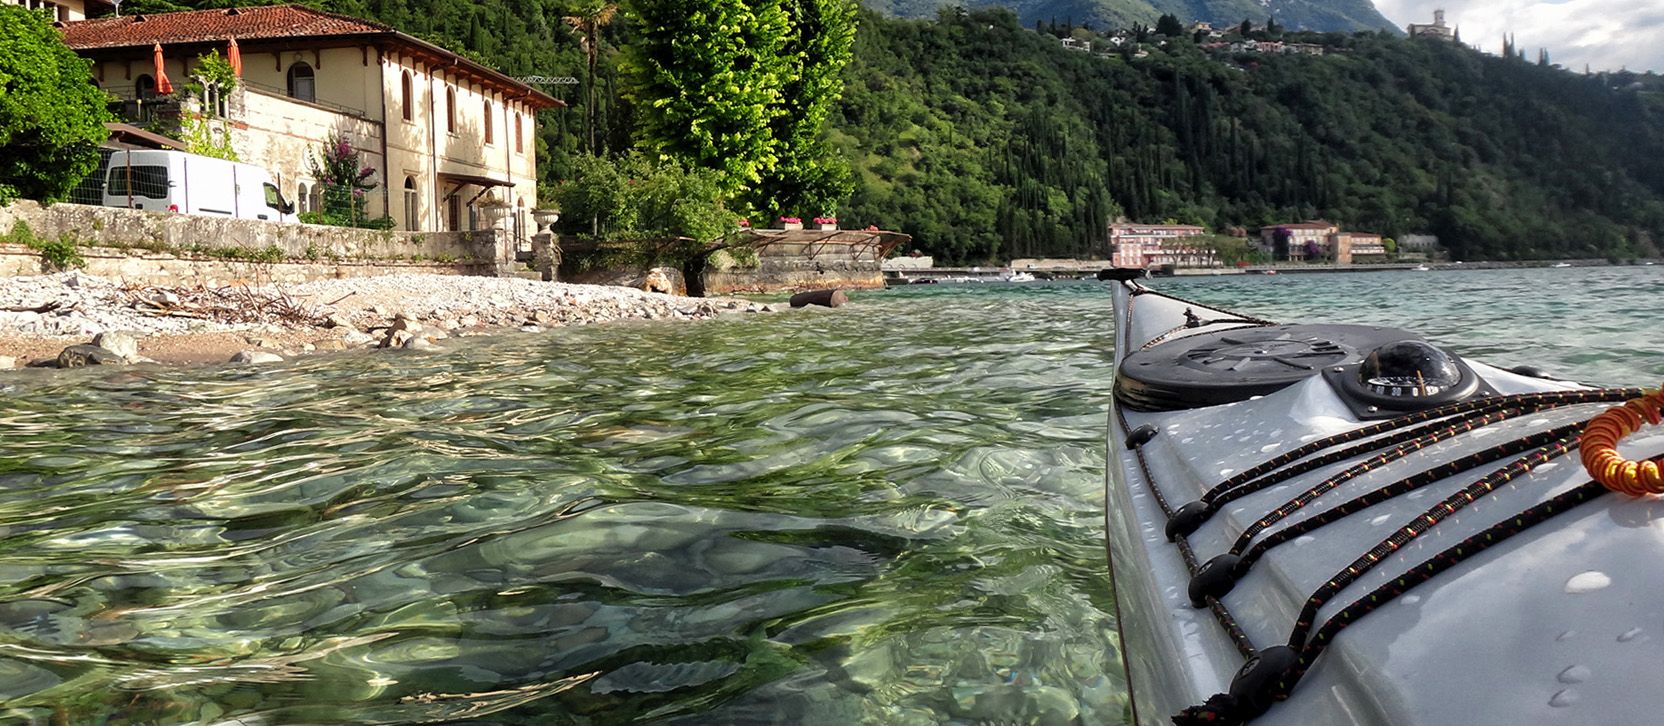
(43, 316)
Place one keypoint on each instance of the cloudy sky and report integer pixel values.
(1605, 34)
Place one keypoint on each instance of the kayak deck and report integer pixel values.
(1545, 626)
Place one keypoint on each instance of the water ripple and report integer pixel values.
(890, 513)
(648, 522)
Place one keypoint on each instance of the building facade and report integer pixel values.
(452, 142)
(1297, 241)
(1437, 30)
(61, 11)
(1349, 247)
(1155, 245)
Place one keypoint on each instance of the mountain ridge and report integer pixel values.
(1314, 15)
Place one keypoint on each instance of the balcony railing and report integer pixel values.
(147, 111)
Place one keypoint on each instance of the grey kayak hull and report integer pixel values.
(1563, 623)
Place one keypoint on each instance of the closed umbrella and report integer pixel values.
(235, 57)
(164, 86)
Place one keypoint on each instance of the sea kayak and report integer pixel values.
(1349, 524)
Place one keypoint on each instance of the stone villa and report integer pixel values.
(452, 141)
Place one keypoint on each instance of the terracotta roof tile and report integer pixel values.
(202, 26)
(271, 23)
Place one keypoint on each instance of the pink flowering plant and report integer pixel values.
(346, 185)
(791, 220)
(826, 220)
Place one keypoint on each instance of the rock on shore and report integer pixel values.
(392, 311)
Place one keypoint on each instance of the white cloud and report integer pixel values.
(1604, 34)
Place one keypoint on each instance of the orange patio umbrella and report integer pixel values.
(163, 85)
(234, 56)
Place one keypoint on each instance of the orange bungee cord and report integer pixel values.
(1600, 446)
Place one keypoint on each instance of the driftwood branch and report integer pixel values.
(239, 304)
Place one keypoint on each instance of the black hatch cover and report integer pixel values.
(1235, 365)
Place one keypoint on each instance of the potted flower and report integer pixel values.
(790, 223)
(744, 224)
(827, 223)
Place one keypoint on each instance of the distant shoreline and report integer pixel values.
(1298, 269)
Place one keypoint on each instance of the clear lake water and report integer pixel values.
(888, 513)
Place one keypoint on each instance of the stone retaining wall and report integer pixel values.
(165, 248)
(141, 267)
(800, 266)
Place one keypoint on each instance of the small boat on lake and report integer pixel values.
(1349, 524)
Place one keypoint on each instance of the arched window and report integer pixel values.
(450, 109)
(519, 143)
(302, 85)
(488, 134)
(408, 95)
(302, 199)
(144, 87)
(411, 204)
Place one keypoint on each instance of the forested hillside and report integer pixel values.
(1314, 15)
(987, 140)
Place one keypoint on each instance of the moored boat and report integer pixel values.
(1343, 524)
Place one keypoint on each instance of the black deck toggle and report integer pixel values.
(1252, 688)
(1121, 274)
(1141, 436)
(1252, 691)
(1215, 579)
(1187, 519)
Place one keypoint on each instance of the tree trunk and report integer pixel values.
(589, 105)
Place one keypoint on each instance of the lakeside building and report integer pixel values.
(61, 11)
(1297, 241)
(452, 142)
(1361, 246)
(1155, 245)
(1437, 30)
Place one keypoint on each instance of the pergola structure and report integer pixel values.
(877, 242)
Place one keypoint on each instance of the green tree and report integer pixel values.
(51, 115)
(706, 77)
(201, 130)
(1169, 26)
(638, 197)
(587, 20)
(810, 178)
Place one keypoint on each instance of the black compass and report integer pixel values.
(1234, 365)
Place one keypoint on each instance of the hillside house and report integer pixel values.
(452, 141)
(1154, 245)
(1076, 44)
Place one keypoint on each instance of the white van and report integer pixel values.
(175, 181)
